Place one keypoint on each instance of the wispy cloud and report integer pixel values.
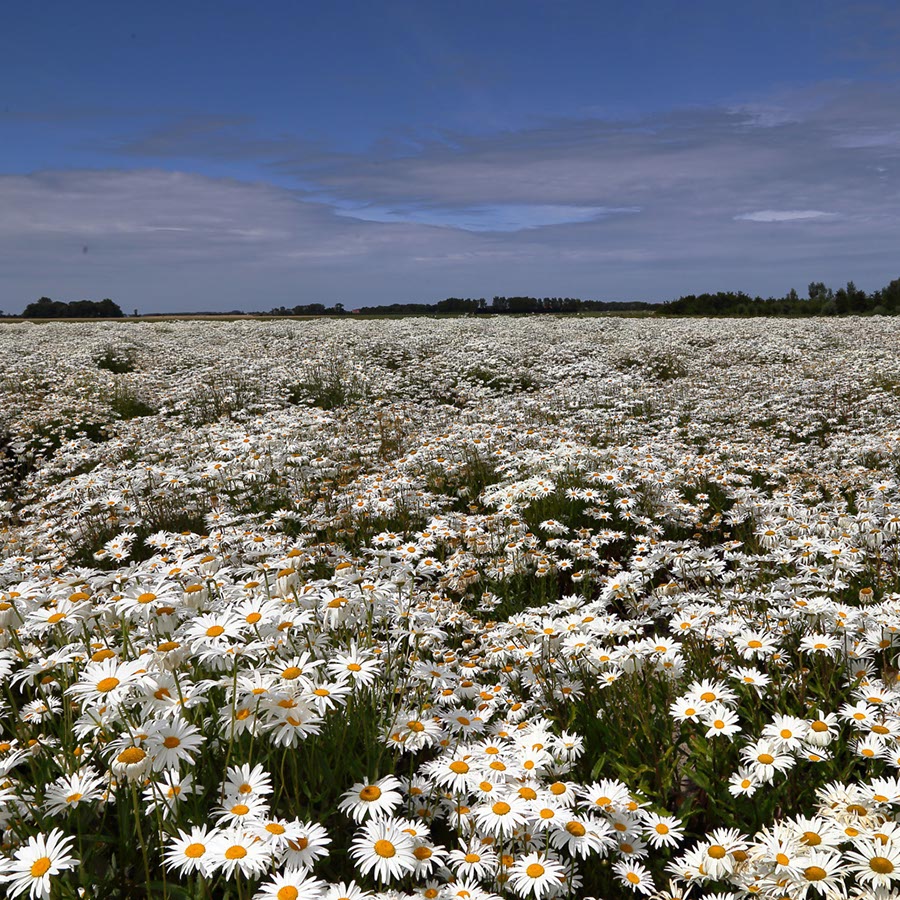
(783, 215)
(497, 217)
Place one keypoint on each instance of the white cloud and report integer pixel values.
(494, 217)
(783, 215)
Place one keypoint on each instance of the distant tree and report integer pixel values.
(890, 296)
(45, 308)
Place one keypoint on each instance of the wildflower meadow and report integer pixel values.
(461, 608)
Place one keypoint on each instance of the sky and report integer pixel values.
(214, 156)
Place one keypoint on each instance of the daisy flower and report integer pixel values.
(764, 760)
(168, 791)
(819, 872)
(108, 682)
(383, 848)
(69, 790)
(172, 742)
(191, 851)
(239, 850)
(33, 865)
(131, 761)
(634, 875)
(502, 817)
(581, 836)
(536, 875)
(356, 664)
(309, 844)
(243, 780)
(662, 831)
(242, 809)
(721, 721)
(472, 859)
(376, 801)
(291, 884)
(874, 863)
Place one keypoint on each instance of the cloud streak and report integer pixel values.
(783, 215)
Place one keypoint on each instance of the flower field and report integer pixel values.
(462, 608)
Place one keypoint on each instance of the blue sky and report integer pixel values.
(200, 156)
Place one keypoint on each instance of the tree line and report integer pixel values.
(820, 300)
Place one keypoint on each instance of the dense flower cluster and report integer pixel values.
(463, 608)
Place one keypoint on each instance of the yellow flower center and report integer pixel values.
(459, 767)
(881, 865)
(288, 892)
(811, 839)
(717, 851)
(240, 809)
(171, 742)
(766, 759)
(74, 798)
(214, 631)
(535, 870)
(105, 685)
(370, 793)
(500, 808)
(131, 755)
(275, 828)
(194, 851)
(290, 673)
(235, 852)
(661, 828)
(385, 849)
(40, 866)
(814, 873)
(576, 829)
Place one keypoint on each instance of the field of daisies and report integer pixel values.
(464, 608)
